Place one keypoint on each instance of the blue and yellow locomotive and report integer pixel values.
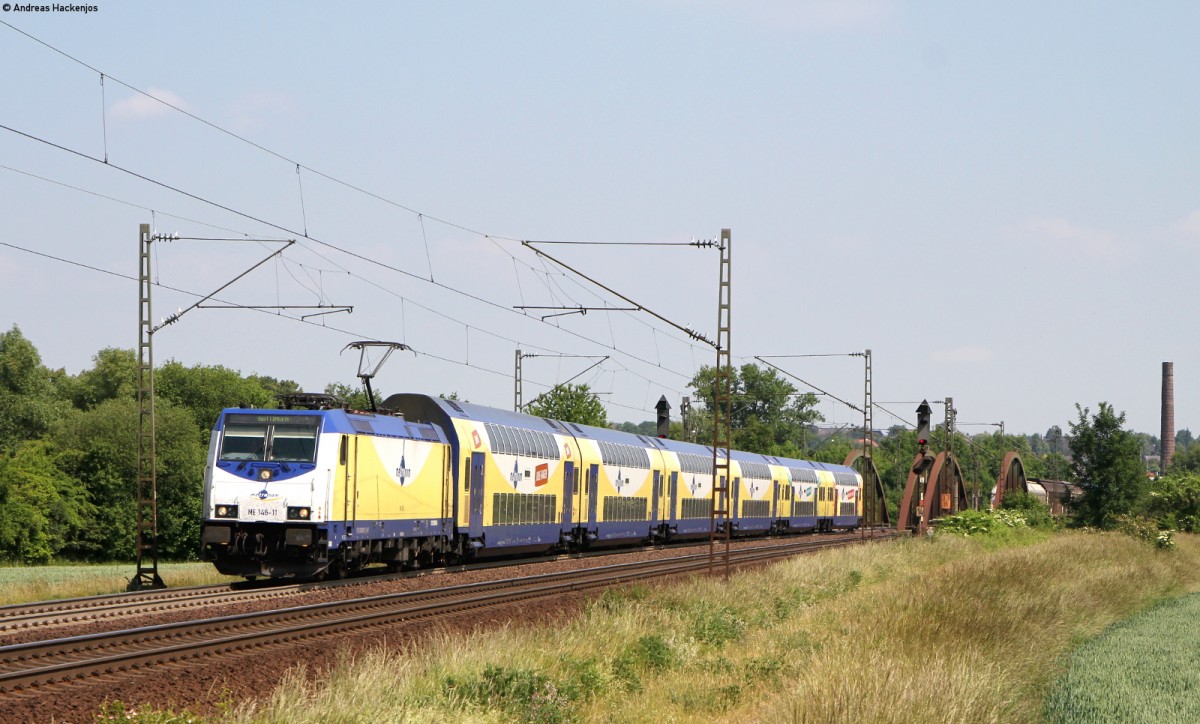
(314, 492)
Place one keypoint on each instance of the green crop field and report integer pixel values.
(1145, 669)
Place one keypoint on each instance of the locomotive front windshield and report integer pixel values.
(279, 438)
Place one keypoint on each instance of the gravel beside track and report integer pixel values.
(200, 685)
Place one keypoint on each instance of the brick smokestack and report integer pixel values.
(1167, 439)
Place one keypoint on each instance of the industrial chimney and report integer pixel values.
(1167, 439)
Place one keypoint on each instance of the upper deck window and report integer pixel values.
(280, 438)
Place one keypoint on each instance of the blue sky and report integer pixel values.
(999, 200)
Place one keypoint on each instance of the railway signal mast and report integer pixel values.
(722, 411)
(924, 459)
(146, 504)
(723, 378)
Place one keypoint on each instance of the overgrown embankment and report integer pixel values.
(942, 630)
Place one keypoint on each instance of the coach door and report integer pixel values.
(673, 493)
(349, 460)
(775, 498)
(593, 492)
(657, 495)
(475, 527)
(734, 513)
(568, 492)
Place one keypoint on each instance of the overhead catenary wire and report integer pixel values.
(506, 374)
(320, 242)
(298, 165)
(104, 117)
(239, 137)
(809, 384)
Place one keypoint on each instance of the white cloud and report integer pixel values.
(144, 106)
(1074, 239)
(1189, 224)
(970, 354)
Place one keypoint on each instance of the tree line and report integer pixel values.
(1104, 459)
(68, 453)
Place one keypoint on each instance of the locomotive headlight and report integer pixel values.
(227, 511)
(298, 513)
(221, 511)
(264, 474)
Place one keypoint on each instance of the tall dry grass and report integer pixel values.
(978, 638)
(943, 630)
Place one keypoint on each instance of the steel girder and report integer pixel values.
(875, 512)
(935, 487)
(1012, 477)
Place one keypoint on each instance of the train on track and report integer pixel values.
(321, 492)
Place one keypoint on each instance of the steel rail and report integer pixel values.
(25, 616)
(77, 610)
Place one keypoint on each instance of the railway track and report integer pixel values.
(61, 612)
(30, 666)
(112, 607)
(93, 608)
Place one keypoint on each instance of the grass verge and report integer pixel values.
(937, 630)
(23, 584)
(1145, 669)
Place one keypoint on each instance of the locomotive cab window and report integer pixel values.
(282, 438)
(293, 443)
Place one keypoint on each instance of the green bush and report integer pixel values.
(1174, 501)
(525, 694)
(718, 626)
(967, 523)
(1035, 512)
(1147, 530)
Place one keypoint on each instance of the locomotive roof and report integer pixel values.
(351, 422)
